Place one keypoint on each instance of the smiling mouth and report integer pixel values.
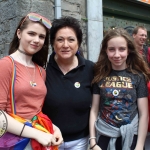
(34, 46)
(116, 60)
(64, 51)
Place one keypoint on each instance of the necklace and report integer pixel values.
(24, 52)
(32, 82)
(65, 69)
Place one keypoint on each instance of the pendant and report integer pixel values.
(32, 83)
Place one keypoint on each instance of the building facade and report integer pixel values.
(95, 16)
(127, 14)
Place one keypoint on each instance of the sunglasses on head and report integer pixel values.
(37, 17)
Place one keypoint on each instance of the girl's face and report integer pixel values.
(117, 52)
(65, 43)
(32, 38)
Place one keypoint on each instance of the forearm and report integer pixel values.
(93, 117)
(18, 128)
(15, 127)
(142, 131)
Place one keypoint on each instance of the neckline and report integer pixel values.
(24, 65)
(119, 70)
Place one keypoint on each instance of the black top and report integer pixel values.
(119, 92)
(69, 98)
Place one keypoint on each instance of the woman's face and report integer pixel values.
(117, 52)
(31, 38)
(65, 43)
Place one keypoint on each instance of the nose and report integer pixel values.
(65, 43)
(37, 39)
(145, 37)
(116, 54)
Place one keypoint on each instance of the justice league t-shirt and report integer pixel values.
(118, 96)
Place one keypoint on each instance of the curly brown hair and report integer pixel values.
(135, 62)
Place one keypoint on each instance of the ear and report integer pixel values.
(134, 36)
(19, 34)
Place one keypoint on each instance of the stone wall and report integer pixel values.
(11, 11)
(77, 9)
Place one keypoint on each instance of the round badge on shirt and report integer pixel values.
(115, 93)
(77, 84)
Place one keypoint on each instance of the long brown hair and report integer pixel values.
(40, 57)
(135, 62)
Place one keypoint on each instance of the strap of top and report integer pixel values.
(12, 83)
(40, 70)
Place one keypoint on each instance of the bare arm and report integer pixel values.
(93, 117)
(57, 135)
(15, 127)
(143, 122)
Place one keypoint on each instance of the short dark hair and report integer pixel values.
(66, 21)
(135, 31)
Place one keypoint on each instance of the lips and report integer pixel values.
(34, 46)
(65, 51)
(117, 61)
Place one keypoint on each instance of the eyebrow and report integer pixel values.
(36, 33)
(67, 37)
(114, 46)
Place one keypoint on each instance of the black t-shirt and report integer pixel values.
(69, 98)
(118, 96)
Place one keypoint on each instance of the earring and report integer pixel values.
(78, 52)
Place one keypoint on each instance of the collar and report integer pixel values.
(81, 60)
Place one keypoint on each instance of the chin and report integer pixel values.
(67, 56)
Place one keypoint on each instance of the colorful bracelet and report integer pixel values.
(93, 146)
(22, 129)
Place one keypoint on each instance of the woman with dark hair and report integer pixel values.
(25, 64)
(68, 82)
(119, 112)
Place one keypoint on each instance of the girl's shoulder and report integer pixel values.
(6, 67)
(6, 63)
(6, 60)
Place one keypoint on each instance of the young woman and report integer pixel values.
(119, 112)
(28, 50)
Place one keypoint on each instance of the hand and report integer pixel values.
(58, 135)
(96, 148)
(45, 139)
